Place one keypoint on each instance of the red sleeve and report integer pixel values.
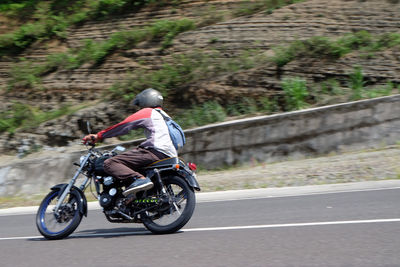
(136, 120)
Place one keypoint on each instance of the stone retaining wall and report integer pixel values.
(336, 128)
(317, 131)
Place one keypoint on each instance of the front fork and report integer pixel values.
(71, 183)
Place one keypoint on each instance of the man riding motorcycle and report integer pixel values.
(158, 144)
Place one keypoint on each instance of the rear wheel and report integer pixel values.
(172, 216)
(58, 225)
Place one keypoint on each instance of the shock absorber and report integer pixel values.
(159, 181)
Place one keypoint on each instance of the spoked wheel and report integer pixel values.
(58, 225)
(172, 216)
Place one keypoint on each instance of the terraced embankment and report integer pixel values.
(218, 33)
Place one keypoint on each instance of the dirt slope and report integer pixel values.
(357, 166)
(232, 36)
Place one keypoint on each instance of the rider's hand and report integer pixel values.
(91, 139)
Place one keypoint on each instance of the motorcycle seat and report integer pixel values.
(164, 163)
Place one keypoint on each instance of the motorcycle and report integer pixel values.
(163, 209)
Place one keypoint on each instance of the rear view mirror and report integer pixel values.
(119, 148)
(88, 127)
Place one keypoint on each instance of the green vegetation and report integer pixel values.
(25, 116)
(166, 30)
(208, 112)
(357, 83)
(384, 90)
(27, 74)
(43, 20)
(212, 111)
(184, 69)
(77, 11)
(251, 7)
(297, 94)
(174, 77)
(295, 90)
(322, 47)
(51, 19)
(95, 52)
(16, 42)
(39, 21)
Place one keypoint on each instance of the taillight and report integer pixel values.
(192, 166)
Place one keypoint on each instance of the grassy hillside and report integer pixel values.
(41, 21)
(187, 54)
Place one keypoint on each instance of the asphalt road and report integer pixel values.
(358, 228)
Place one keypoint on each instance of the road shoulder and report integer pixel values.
(231, 195)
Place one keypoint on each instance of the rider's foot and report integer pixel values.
(138, 185)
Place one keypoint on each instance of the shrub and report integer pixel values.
(24, 116)
(317, 47)
(54, 17)
(100, 9)
(251, 7)
(183, 70)
(380, 91)
(388, 40)
(55, 61)
(245, 106)
(96, 52)
(166, 30)
(18, 8)
(331, 87)
(206, 113)
(25, 75)
(28, 74)
(355, 41)
(295, 90)
(13, 118)
(212, 111)
(356, 83)
(7, 44)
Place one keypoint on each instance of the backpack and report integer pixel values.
(175, 131)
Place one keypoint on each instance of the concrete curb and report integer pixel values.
(255, 194)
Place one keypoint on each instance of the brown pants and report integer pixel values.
(124, 165)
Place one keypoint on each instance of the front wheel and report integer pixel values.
(172, 216)
(58, 225)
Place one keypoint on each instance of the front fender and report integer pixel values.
(82, 202)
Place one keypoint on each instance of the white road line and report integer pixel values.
(20, 237)
(289, 225)
(297, 191)
(224, 228)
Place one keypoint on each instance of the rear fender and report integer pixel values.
(82, 202)
(190, 179)
(188, 176)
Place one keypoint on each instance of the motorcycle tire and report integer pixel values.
(68, 219)
(151, 220)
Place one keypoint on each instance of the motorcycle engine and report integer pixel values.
(106, 198)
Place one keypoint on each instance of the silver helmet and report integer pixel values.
(149, 98)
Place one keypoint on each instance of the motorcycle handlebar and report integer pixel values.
(91, 142)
